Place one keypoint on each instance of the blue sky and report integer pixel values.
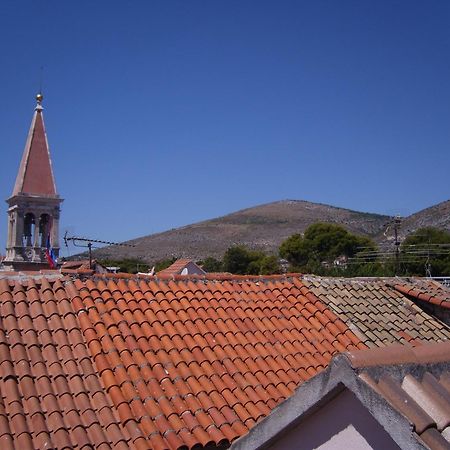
(164, 113)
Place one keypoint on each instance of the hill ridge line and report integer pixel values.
(264, 227)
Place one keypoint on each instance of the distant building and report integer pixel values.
(84, 264)
(182, 267)
(34, 206)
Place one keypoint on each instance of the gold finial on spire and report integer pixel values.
(39, 98)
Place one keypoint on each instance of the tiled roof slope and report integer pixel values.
(426, 290)
(30, 274)
(152, 363)
(51, 393)
(376, 312)
(406, 389)
(78, 264)
(416, 382)
(177, 267)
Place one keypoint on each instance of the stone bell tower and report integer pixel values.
(34, 206)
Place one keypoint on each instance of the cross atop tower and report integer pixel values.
(34, 205)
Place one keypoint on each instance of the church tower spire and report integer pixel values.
(34, 206)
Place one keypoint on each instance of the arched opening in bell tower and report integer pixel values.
(44, 229)
(29, 226)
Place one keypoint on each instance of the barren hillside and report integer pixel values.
(261, 227)
(437, 216)
(266, 226)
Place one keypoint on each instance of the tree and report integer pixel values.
(243, 261)
(164, 263)
(269, 265)
(236, 259)
(322, 243)
(426, 247)
(295, 250)
(127, 265)
(211, 264)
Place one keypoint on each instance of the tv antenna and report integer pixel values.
(83, 242)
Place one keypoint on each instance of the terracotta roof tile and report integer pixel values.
(176, 269)
(378, 311)
(413, 381)
(423, 289)
(150, 362)
(196, 329)
(404, 388)
(41, 389)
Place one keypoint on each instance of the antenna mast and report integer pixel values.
(80, 242)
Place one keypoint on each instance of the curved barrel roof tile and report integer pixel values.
(164, 362)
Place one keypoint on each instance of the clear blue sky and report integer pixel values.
(163, 113)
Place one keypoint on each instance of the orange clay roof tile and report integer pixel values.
(385, 316)
(426, 290)
(165, 362)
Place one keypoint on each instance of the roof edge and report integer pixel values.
(311, 395)
(399, 354)
(418, 294)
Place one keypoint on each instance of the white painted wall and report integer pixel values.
(341, 424)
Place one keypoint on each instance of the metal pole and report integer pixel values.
(397, 245)
(90, 254)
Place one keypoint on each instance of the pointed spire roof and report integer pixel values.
(35, 176)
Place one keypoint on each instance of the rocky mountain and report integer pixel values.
(262, 227)
(437, 216)
(266, 226)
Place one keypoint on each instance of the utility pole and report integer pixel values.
(397, 222)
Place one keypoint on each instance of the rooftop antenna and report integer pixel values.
(89, 243)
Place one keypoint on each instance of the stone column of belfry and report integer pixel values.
(18, 227)
(37, 245)
(34, 192)
(12, 235)
(54, 231)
